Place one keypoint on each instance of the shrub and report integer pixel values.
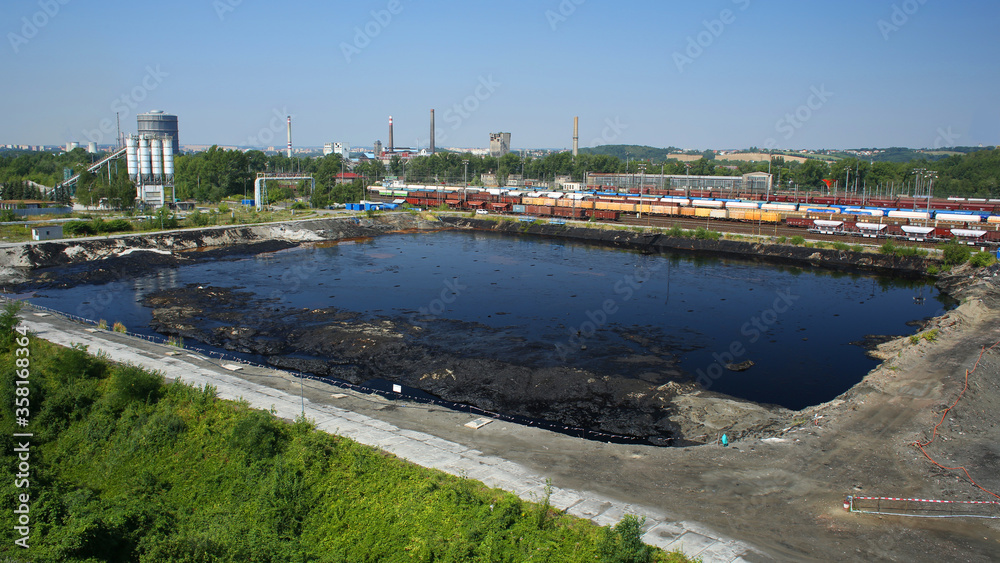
(858, 248)
(981, 259)
(198, 219)
(781, 240)
(223, 208)
(102, 324)
(257, 434)
(797, 240)
(888, 248)
(841, 246)
(118, 327)
(933, 270)
(623, 543)
(675, 232)
(114, 226)
(702, 233)
(79, 228)
(130, 383)
(955, 253)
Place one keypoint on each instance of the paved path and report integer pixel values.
(421, 448)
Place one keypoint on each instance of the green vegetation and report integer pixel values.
(892, 249)
(954, 253)
(929, 336)
(125, 468)
(96, 226)
(797, 240)
(982, 259)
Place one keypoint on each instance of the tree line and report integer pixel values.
(218, 174)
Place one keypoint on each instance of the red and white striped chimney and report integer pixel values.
(289, 136)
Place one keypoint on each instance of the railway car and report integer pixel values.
(871, 230)
(900, 214)
(603, 214)
(958, 217)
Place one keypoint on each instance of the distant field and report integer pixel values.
(763, 157)
(942, 153)
(684, 157)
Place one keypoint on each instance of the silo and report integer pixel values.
(144, 164)
(160, 124)
(156, 150)
(131, 158)
(168, 157)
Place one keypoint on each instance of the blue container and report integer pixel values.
(518, 208)
(247, 202)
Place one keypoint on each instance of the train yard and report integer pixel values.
(848, 218)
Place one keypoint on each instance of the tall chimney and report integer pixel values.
(432, 131)
(289, 136)
(390, 134)
(576, 136)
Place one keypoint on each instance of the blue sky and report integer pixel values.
(708, 74)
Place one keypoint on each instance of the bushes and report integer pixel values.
(891, 249)
(982, 259)
(954, 253)
(131, 470)
(96, 226)
(797, 240)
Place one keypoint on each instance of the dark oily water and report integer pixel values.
(541, 303)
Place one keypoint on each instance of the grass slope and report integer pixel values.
(125, 468)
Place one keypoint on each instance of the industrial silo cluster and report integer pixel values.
(150, 162)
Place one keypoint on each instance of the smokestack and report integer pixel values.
(576, 136)
(289, 136)
(432, 131)
(390, 134)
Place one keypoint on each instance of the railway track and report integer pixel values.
(759, 229)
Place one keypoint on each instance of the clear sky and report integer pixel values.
(696, 74)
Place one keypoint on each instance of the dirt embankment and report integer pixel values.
(105, 258)
(775, 253)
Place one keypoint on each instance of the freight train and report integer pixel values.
(968, 220)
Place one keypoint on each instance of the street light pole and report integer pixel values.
(465, 182)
